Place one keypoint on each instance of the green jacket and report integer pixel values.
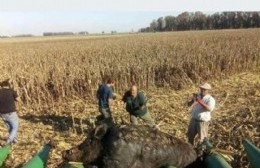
(135, 106)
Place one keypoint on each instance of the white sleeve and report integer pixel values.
(211, 103)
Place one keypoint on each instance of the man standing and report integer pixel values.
(136, 106)
(202, 107)
(105, 97)
(8, 110)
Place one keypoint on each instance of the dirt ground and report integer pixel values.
(237, 116)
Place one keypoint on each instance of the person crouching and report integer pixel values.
(136, 106)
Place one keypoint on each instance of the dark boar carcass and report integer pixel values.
(131, 146)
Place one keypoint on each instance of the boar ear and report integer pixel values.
(100, 131)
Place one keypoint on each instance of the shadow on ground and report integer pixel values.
(60, 123)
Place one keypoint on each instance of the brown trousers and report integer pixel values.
(146, 118)
(197, 127)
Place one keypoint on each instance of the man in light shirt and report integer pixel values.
(202, 107)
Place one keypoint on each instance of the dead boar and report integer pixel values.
(130, 146)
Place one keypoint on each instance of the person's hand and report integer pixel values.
(204, 105)
(190, 102)
(199, 100)
(119, 103)
(141, 107)
(117, 96)
(114, 97)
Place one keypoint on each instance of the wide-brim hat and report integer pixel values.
(205, 86)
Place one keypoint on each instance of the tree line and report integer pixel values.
(57, 33)
(201, 21)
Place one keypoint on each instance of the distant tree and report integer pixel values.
(113, 32)
(83, 33)
(154, 25)
(238, 20)
(147, 29)
(23, 35)
(216, 21)
(209, 23)
(171, 23)
(247, 19)
(4, 36)
(200, 21)
(255, 19)
(183, 21)
(161, 24)
(57, 33)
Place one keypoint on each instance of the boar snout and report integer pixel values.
(73, 154)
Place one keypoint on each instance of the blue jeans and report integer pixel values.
(11, 120)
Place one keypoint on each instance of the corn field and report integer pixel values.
(46, 71)
(57, 80)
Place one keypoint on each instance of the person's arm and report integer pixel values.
(208, 106)
(98, 90)
(110, 97)
(97, 95)
(142, 101)
(117, 96)
(125, 97)
(190, 102)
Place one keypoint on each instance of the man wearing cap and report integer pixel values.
(203, 105)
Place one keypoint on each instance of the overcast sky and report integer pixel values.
(94, 16)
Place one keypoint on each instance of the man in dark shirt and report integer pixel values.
(8, 110)
(105, 97)
(136, 107)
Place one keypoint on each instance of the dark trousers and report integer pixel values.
(106, 116)
(105, 112)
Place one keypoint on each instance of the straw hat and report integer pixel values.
(205, 86)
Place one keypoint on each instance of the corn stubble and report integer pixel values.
(57, 80)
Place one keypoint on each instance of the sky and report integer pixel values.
(95, 16)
